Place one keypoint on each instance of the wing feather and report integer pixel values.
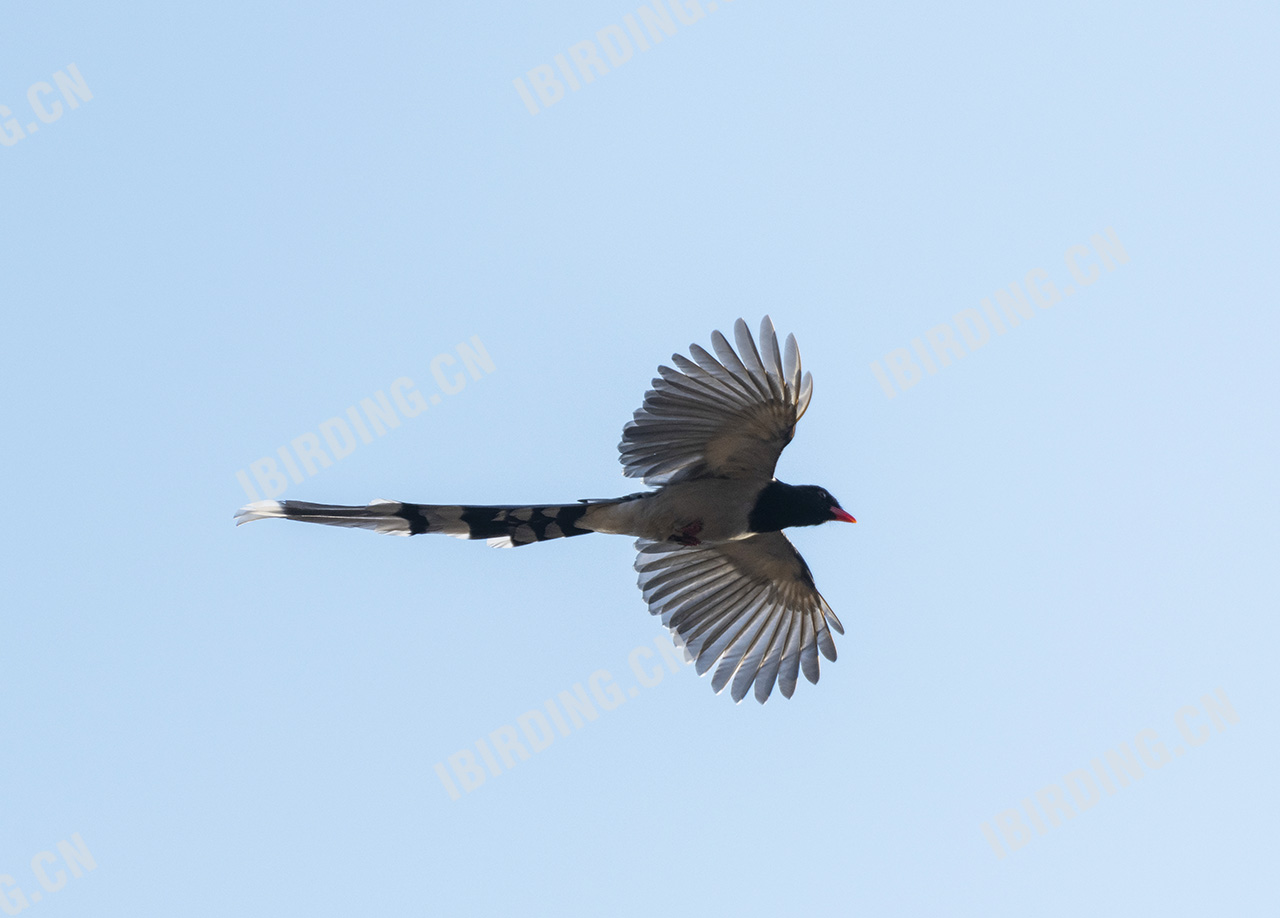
(771, 358)
(747, 607)
(789, 668)
(809, 649)
(746, 639)
(772, 660)
(791, 364)
(752, 663)
(722, 415)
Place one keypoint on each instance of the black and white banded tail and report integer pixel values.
(502, 526)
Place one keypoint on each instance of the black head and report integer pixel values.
(782, 505)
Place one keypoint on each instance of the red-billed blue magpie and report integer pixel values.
(713, 561)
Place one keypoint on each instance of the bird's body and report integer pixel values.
(713, 560)
(715, 509)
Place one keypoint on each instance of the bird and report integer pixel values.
(712, 558)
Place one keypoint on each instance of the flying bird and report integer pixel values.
(713, 561)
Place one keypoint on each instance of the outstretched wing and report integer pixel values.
(719, 418)
(750, 604)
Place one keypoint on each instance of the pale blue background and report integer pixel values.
(263, 216)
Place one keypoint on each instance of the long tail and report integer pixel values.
(502, 526)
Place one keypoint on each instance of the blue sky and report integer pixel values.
(237, 223)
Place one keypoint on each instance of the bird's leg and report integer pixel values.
(688, 535)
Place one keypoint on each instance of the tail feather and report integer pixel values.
(503, 526)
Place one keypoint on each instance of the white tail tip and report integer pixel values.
(259, 510)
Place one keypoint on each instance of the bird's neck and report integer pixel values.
(776, 508)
